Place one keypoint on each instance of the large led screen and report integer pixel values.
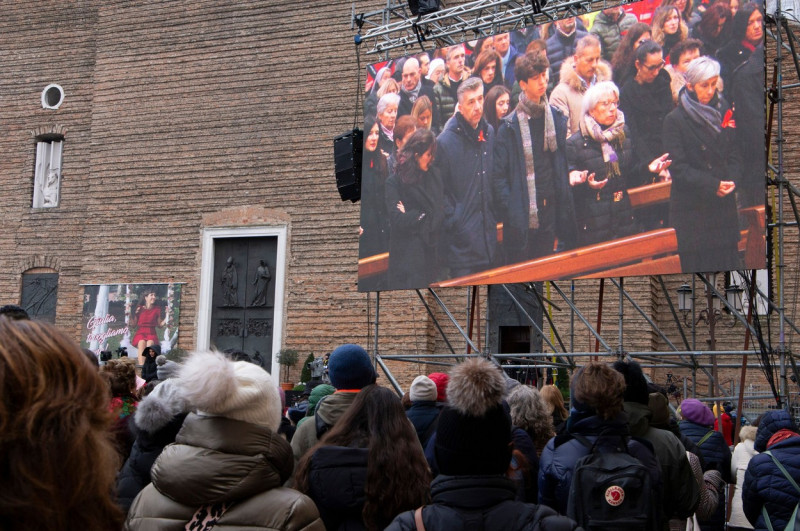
(628, 141)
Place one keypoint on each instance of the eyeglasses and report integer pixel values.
(608, 104)
(655, 67)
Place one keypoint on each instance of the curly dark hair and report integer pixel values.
(59, 461)
(398, 477)
(120, 376)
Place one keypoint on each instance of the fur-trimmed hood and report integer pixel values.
(157, 409)
(571, 78)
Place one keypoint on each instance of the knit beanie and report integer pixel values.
(474, 432)
(350, 367)
(440, 379)
(166, 368)
(695, 411)
(422, 389)
(316, 395)
(216, 386)
(635, 382)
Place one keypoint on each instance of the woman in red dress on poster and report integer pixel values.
(148, 317)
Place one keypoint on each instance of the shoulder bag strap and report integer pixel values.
(705, 437)
(793, 519)
(418, 519)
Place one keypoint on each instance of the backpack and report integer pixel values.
(612, 490)
(794, 521)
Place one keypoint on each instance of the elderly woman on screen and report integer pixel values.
(700, 137)
(387, 117)
(600, 159)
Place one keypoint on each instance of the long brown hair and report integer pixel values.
(553, 396)
(398, 477)
(59, 462)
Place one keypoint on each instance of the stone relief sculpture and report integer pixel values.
(230, 284)
(261, 282)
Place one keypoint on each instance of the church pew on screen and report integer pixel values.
(372, 265)
(649, 194)
(581, 262)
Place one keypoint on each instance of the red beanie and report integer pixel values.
(440, 379)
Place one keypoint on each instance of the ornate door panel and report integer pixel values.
(243, 296)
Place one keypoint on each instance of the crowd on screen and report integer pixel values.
(546, 130)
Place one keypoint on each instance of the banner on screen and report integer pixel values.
(131, 316)
(624, 142)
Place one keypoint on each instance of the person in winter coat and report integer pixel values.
(157, 421)
(227, 462)
(766, 488)
(349, 370)
(318, 393)
(530, 167)
(714, 29)
(387, 118)
(59, 461)
(464, 165)
(697, 424)
(532, 413)
(120, 375)
(601, 161)
(747, 34)
(622, 64)
(424, 410)
(374, 226)
(578, 73)
(597, 414)
(413, 201)
(699, 137)
(681, 55)
(368, 468)
(561, 45)
(747, 93)
(646, 100)
(555, 399)
(610, 25)
(681, 493)
(489, 68)
(742, 455)
(150, 367)
(473, 451)
(446, 90)
(668, 27)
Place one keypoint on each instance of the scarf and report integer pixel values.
(123, 406)
(614, 133)
(526, 110)
(414, 93)
(388, 132)
(707, 117)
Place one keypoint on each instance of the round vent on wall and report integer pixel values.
(52, 96)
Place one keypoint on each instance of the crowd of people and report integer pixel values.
(546, 129)
(206, 445)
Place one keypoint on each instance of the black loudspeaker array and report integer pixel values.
(347, 163)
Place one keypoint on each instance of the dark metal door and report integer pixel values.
(243, 298)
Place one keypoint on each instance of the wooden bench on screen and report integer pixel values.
(640, 252)
(649, 194)
(372, 265)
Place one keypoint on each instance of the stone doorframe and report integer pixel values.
(207, 281)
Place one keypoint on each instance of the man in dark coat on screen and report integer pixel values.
(464, 162)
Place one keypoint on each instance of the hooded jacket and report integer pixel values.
(610, 29)
(157, 421)
(215, 460)
(742, 455)
(568, 94)
(150, 367)
(329, 410)
(480, 502)
(337, 478)
(681, 493)
(764, 484)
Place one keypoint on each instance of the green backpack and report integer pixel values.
(794, 521)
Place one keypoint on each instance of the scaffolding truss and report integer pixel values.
(394, 27)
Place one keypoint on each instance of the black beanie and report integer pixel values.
(635, 383)
(474, 432)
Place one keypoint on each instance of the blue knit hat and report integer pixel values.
(350, 367)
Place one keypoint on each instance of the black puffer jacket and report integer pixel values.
(481, 502)
(602, 214)
(337, 478)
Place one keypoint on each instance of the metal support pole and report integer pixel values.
(453, 320)
(436, 322)
(528, 316)
(599, 316)
(621, 313)
(581, 317)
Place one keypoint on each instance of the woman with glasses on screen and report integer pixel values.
(700, 138)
